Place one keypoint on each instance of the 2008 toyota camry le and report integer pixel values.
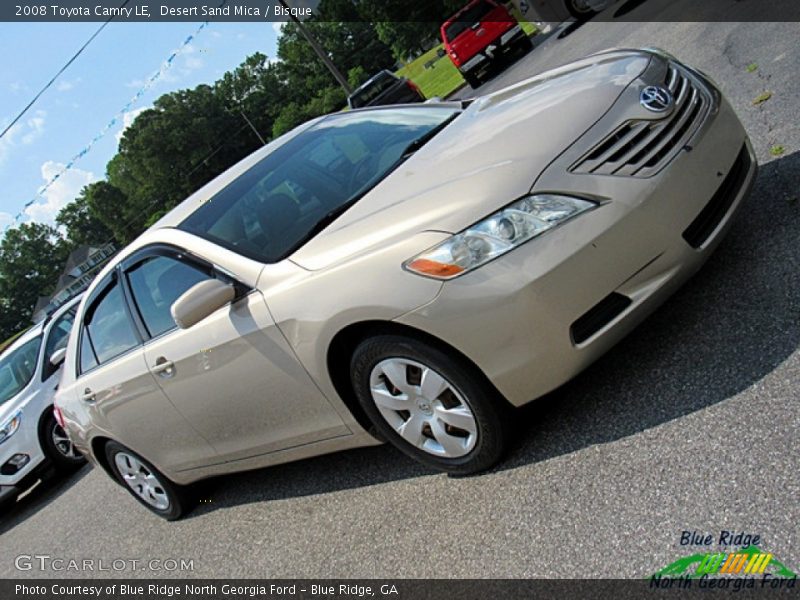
(407, 273)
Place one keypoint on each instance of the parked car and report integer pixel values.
(385, 88)
(370, 276)
(479, 35)
(30, 437)
(586, 9)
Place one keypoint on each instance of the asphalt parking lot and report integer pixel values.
(689, 424)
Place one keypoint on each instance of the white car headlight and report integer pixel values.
(10, 426)
(495, 235)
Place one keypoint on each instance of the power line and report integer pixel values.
(117, 118)
(56, 76)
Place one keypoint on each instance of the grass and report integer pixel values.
(752, 68)
(777, 150)
(443, 78)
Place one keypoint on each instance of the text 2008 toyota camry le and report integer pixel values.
(411, 272)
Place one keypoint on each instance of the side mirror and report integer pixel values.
(58, 357)
(200, 301)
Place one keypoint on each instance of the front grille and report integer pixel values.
(641, 148)
(597, 317)
(711, 216)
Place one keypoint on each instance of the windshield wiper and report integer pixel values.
(326, 220)
(427, 137)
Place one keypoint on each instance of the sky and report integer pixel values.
(91, 92)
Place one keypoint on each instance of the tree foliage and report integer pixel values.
(81, 223)
(31, 258)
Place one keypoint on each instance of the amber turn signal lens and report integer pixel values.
(433, 268)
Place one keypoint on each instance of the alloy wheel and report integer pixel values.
(63, 444)
(582, 7)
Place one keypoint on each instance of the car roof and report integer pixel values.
(39, 327)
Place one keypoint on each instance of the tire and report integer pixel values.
(459, 425)
(57, 446)
(147, 484)
(525, 45)
(579, 10)
(473, 81)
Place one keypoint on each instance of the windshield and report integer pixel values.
(282, 201)
(467, 19)
(372, 89)
(17, 368)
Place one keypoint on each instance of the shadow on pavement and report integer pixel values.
(51, 485)
(727, 329)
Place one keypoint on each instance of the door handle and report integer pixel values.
(163, 367)
(88, 396)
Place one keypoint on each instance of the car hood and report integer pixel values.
(487, 157)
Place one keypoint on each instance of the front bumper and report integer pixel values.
(24, 441)
(514, 317)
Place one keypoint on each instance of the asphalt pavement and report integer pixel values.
(690, 424)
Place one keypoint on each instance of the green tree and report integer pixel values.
(31, 258)
(170, 151)
(82, 225)
(106, 203)
(408, 27)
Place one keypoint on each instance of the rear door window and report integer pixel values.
(107, 330)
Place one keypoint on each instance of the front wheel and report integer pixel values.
(58, 447)
(147, 484)
(430, 405)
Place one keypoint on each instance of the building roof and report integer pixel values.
(77, 257)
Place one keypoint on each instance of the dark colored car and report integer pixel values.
(479, 35)
(385, 88)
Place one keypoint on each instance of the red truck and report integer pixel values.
(479, 35)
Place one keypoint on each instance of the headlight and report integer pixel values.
(10, 426)
(496, 235)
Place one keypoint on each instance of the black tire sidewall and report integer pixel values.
(577, 14)
(54, 455)
(472, 80)
(490, 412)
(178, 496)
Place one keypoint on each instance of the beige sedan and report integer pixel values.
(409, 273)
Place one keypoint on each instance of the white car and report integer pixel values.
(30, 437)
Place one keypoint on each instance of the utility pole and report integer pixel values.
(319, 50)
(253, 127)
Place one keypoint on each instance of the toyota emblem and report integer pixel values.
(656, 99)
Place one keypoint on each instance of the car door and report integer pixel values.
(121, 394)
(232, 375)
